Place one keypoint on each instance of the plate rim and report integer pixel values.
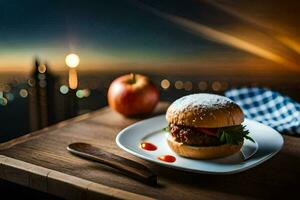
(234, 171)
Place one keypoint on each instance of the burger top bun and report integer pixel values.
(205, 110)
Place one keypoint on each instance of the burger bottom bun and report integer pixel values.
(204, 153)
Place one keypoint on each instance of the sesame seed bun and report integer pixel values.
(205, 111)
(197, 152)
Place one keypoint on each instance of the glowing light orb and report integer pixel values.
(72, 60)
(3, 101)
(80, 94)
(64, 89)
(165, 84)
(23, 93)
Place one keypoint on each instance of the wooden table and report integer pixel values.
(40, 161)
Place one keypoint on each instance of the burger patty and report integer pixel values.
(194, 136)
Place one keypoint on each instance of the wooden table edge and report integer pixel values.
(57, 183)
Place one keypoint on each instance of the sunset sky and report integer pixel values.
(154, 35)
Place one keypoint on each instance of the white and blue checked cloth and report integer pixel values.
(268, 107)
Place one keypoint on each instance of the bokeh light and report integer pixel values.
(31, 82)
(188, 86)
(86, 92)
(165, 84)
(80, 94)
(64, 89)
(42, 68)
(178, 85)
(42, 83)
(72, 60)
(42, 76)
(3, 101)
(23, 93)
(202, 85)
(216, 86)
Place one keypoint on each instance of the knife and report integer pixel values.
(128, 167)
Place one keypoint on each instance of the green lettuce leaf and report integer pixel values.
(233, 134)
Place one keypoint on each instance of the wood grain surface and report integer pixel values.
(128, 167)
(41, 161)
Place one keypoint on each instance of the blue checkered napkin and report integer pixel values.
(269, 107)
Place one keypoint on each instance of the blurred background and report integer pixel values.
(58, 57)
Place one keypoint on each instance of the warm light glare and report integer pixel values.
(42, 68)
(165, 84)
(290, 43)
(23, 93)
(73, 80)
(72, 60)
(230, 40)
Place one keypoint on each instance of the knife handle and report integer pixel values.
(128, 167)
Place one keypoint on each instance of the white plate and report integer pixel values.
(268, 141)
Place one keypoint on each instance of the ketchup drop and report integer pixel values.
(148, 146)
(167, 158)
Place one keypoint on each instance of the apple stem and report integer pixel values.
(133, 80)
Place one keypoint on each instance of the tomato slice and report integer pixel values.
(209, 131)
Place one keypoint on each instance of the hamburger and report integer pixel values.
(205, 126)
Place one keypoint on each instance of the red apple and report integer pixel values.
(133, 95)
